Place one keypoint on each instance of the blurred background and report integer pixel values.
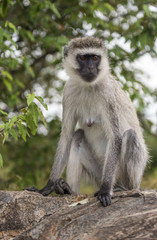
(32, 35)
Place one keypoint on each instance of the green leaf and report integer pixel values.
(1, 35)
(7, 74)
(32, 118)
(28, 67)
(109, 7)
(1, 161)
(40, 99)
(8, 85)
(30, 70)
(13, 133)
(4, 7)
(146, 9)
(20, 84)
(4, 113)
(11, 26)
(30, 36)
(13, 120)
(143, 40)
(6, 135)
(42, 117)
(22, 117)
(6, 127)
(55, 10)
(33, 108)
(22, 131)
(2, 127)
(24, 110)
(30, 98)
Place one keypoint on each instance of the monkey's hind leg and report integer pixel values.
(132, 161)
(81, 160)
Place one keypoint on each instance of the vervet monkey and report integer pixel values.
(109, 144)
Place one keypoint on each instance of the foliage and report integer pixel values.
(18, 125)
(28, 118)
(30, 162)
(32, 34)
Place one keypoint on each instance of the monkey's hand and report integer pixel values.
(104, 198)
(45, 190)
(61, 187)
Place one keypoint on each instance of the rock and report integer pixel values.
(26, 215)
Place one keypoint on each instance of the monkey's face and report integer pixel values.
(85, 60)
(88, 66)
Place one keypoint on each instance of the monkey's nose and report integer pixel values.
(91, 69)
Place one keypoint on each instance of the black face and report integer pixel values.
(88, 66)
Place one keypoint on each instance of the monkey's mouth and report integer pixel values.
(88, 77)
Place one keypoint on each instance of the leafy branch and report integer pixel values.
(25, 123)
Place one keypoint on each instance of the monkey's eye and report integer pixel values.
(82, 57)
(95, 58)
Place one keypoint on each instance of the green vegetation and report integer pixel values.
(32, 34)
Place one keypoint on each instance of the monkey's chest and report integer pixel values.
(88, 107)
(88, 118)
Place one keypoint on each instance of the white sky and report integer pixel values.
(149, 66)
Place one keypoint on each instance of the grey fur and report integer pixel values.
(112, 150)
(131, 160)
(83, 43)
(81, 160)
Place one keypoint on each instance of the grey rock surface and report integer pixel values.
(26, 215)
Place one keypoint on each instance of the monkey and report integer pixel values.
(108, 145)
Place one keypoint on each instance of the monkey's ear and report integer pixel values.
(65, 51)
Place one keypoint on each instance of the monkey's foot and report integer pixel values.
(61, 187)
(104, 198)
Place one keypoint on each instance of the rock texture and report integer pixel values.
(26, 215)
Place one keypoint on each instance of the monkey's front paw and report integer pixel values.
(31, 189)
(61, 187)
(45, 190)
(104, 198)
